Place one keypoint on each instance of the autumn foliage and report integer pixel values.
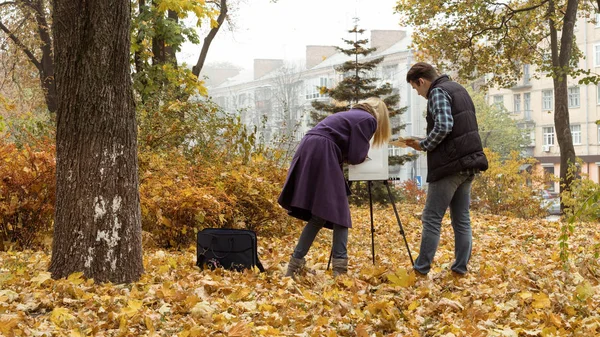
(27, 191)
(508, 188)
(516, 286)
(178, 199)
(198, 168)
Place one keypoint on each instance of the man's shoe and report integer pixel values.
(418, 273)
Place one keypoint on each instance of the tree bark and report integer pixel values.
(208, 39)
(560, 61)
(47, 64)
(97, 227)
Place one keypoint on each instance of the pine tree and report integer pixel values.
(355, 86)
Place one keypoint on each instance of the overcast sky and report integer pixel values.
(282, 30)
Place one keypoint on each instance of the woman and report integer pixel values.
(315, 189)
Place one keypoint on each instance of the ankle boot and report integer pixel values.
(295, 266)
(340, 267)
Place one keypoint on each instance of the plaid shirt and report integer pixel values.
(439, 103)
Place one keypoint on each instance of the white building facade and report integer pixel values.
(276, 95)
(531, 103)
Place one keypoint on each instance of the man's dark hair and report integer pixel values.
(421, 70)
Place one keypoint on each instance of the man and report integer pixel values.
(454, 156)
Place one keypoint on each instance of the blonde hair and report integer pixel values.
(383, 133)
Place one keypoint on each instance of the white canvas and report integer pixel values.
(376, 168)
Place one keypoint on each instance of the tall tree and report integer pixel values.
(27, 25)
(97, 228)
(498, 37)
(498, 131)
(286, 89)
(355, 86)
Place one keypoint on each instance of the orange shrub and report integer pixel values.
(27, 191)
(179, 198)
(411, 193)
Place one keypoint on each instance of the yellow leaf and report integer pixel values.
(41, 278)
(361, 331)
(413, 305)
(402, 278)
(525, 295)
(549, 331)
(133, 306)
(570, 311)
(7, 325)
(149, 324)
(241, 329)
(240, 294)
(541, 301)
(197, 332)
(76, 278)
(555, 319)
(60, 315)
(76, 333)
(321, 321)
(584, 291)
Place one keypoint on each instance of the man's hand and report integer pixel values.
(414, 143)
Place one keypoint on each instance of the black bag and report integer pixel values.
(227, 248)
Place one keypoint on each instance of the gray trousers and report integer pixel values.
(313, 226)
(455, 192)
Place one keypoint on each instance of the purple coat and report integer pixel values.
(315, 182)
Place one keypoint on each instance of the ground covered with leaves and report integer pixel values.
(517, 286)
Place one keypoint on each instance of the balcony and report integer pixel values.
(521, 86)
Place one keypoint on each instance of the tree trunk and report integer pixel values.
(560, 64)
(208, 39)
(47, 64)
(97, 226)
(561, 113)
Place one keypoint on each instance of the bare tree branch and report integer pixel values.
(20, 44)
(208, 39)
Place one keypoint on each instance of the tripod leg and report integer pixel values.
(330, 256)
(398, 219)
(372, 226)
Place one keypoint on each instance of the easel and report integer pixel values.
(391, 196)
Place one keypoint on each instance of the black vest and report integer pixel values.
(461, 149)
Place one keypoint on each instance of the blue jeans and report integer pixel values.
(314, 225)
(453, 191)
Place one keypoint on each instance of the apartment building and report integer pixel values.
(276, 97)
(531, 103)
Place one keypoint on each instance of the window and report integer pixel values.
(499, 100)
(573, 97)
(527, 105)
(313, 87)
(549, 171)
(576, 134)
(598, 134)
(517, 103)
(547, 100)
(390, 72)
(597, 19)
(526, 75)
(597, 55)
(548, 134)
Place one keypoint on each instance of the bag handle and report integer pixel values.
(214, 238)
